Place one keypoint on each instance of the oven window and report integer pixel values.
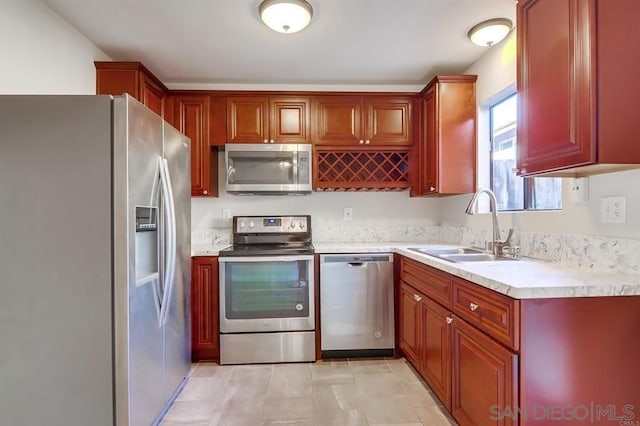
(267, 289)
(261, 168)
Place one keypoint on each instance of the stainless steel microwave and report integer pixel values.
(268, 169)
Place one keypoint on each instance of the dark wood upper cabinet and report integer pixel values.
(117, 78)
(363, 120)
(192, 113)
(446, 152)
(261, 119)
(290, 120)
(204, 309)
(338, 120)
(577, 97)
(388, 121)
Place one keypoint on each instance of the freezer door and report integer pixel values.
(138, 280)
(177, 331)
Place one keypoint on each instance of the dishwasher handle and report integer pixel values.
(356, 264)
(356, 258)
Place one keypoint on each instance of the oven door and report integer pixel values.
(263, 294)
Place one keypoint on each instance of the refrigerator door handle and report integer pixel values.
(170, 241)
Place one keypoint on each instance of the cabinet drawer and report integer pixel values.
(494, 313)
(432, 282)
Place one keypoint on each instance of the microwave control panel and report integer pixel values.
(303, 167)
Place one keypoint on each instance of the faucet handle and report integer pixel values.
(509, 235)
(514, 251)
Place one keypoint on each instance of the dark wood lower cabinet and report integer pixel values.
(410, 323)
(204, 309)
(484, 378)
(495, 360)
(436, 355)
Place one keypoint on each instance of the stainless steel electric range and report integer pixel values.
(267, 311)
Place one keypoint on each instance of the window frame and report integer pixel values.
(528, 183)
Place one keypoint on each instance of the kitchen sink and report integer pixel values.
(447, 250)
(461, 254)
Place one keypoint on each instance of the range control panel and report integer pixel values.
(270, 224)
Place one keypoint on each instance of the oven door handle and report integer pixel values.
(265, 258)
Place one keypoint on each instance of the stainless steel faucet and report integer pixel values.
(496, 246)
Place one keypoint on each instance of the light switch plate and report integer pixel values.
(226, 213)
(348, 213)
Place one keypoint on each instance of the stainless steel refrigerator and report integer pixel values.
(94, 261)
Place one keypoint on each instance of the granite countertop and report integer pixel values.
(206, 249)
(526, 278)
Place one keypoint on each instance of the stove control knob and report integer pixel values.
(251, 225)
(301, 225)
(241, 224)
(292, 225)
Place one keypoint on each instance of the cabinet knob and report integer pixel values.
(361, 142)
(271, 141)
(417, 298)
(431, 188)
(473, 306)
(449, 320)
(205, 192)
(367, 142)
(265, 141)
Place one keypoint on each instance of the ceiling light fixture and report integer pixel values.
(286, 16)
(490, 32)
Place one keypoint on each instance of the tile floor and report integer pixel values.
(328, 393)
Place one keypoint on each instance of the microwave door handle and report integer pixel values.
(231, 172)
(294, 164)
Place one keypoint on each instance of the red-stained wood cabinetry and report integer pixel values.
(495, 360)
(273, 119)
(445, 155)
(363, 120)
(117, 78)
(205, 336)
(577, 97)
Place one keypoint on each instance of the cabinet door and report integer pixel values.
(484, 378)
(247, 120)
(338, 120)
(289, 120)
(388, 121)
(556, 84)
(152, 95)
(410, 323)
(193, 120)
(204, 309)
(436, 349)
(429, 151)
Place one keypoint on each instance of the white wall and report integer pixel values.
(326, 208)
(496, 72)
(40, 53)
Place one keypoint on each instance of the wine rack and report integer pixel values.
(343, 169)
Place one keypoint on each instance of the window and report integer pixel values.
(514, 192)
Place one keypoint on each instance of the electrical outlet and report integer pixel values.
(348, 213)
(226, 213)
(613, 210)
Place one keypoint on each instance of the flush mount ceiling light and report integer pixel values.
(286, 16)
(490, 32)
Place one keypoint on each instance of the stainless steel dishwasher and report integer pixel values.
(356, 304)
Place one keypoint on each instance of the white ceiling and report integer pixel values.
(199, 43)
